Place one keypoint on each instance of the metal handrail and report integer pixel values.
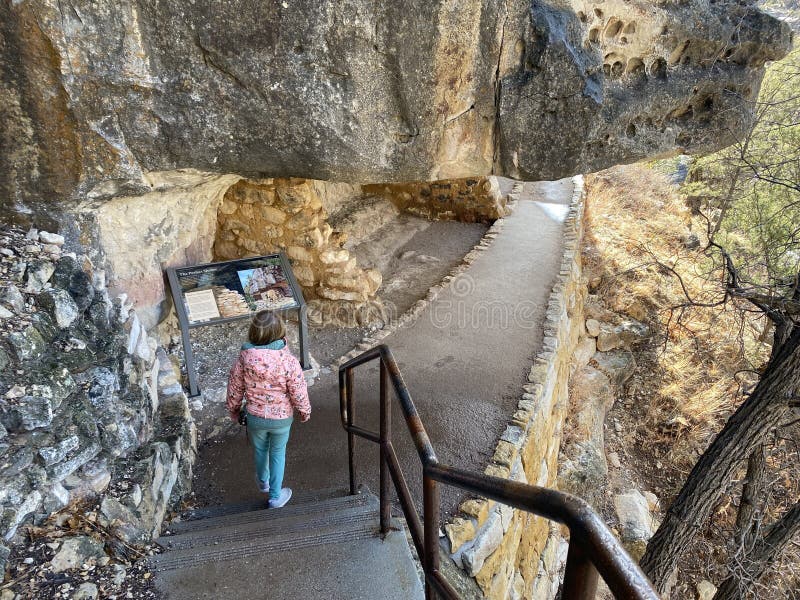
(592, 548)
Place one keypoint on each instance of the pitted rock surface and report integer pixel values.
(99, 94)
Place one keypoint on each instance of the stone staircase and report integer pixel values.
(324, 544)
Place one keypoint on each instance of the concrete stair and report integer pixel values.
(324, 544)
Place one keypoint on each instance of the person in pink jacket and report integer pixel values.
(269, 380)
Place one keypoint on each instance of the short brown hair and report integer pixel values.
(265, 328)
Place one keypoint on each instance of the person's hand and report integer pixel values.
(304, 417)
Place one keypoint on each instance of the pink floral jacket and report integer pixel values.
(272, 381)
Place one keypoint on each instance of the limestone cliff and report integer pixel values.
(93, 95)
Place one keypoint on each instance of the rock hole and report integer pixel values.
(635, 66)
(582, 16)
(708, 104)
(594, 35)
(658, 68)
(728, 53)
(298, 49)
(613, 28)
(683, 139)
(678, 52)
(598, 13)
(623, 40)
(630, 28)
(607, 69)
(630, 130)
(617, 69)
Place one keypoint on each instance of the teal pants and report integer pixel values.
(269, 438)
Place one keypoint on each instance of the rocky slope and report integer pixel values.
(90, 408)
(97, 94)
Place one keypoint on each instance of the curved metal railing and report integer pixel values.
(592, 547)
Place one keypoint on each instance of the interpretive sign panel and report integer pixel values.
(236, 289)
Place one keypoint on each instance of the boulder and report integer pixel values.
(335, 91)
(85, 591)
(11, 297)
(618, 366)
(584, 352)
(26, 344)
(55, 454)
(29, 413)
(635, 521)
(37, 275)
(55, 498)
(60, 306)
(76, 551)
(51, 238)
(593, 327)
(706, 590)
(15, 514)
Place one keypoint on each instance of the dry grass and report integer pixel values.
(694, 369)
(637, 254)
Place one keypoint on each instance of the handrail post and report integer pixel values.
(386, 437)
(351, 438)
(580, 575)
(430, 513)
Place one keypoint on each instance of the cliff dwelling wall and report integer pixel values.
(190, 217)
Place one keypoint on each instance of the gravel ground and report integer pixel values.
(121, 573)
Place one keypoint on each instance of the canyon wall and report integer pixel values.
(91, 410)
(95, 95)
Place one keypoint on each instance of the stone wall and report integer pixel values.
(136, 236)
(268, 215)
(510, 553)
(472, 200)
(89, 406)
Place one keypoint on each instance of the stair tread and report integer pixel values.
(280, 542)
(263, 514)
(360, 569)
(298, 497)
(297, 524)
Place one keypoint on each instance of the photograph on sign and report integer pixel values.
(235, 289)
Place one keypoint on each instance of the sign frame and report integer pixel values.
(177, 293)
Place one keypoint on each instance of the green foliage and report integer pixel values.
(751, 191)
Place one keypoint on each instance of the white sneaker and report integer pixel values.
(282, 499)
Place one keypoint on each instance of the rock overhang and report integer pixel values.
(102, 93)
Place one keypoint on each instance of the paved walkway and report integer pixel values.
(464, 360)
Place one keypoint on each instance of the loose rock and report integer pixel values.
(76, 551)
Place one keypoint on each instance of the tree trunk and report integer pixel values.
(748, 517)
(764, 410)
(768, 548)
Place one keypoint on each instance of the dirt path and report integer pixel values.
(465, 359)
